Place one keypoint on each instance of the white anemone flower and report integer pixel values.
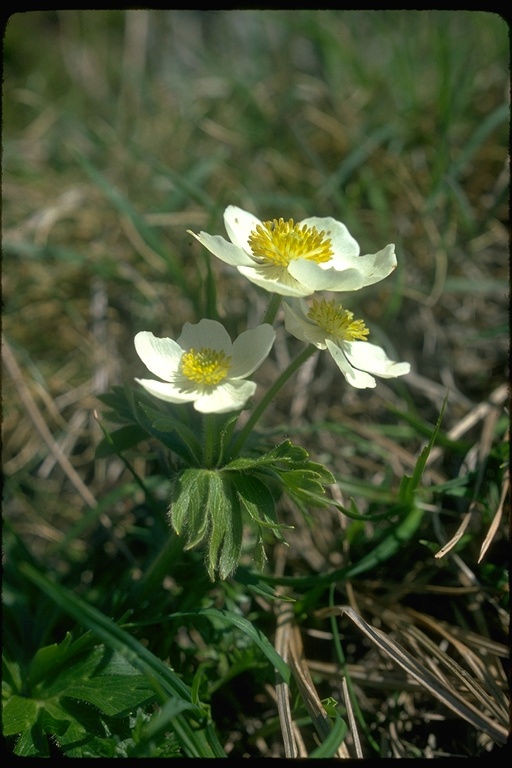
(204, 366)
(316, 254)
(329, 326)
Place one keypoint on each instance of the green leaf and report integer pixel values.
(225, 542)
(140, 411)
(61, 679)
(458, 486)
(259, 556)
(332, 743)
(47, 660)
(257, 500)
(324, 476)
(392, 543)
(167, 422)
(409, 485)
(73, 725)
(175, 435)
(206, 506)
(161, 720)
(32, 743)
(19, 714)
(114, 695)
(289, 453)
(285, 452)
(302, 485)
(301, 479)
(194, 734)
(188, 511)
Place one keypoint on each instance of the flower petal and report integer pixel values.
(205, 333)
(160, 356)
(224, 250)
(250, 349)
(285, 286)
(356, 378)
(239, 225)
(299, 326)
(230, 396)
(345, 248)
(376, 266)
(166, 391)
(365, 270)
(370, 357)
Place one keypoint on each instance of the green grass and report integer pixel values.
(121, 130)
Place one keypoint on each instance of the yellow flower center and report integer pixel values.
(336, 321)
(205, 366)
(276, 243)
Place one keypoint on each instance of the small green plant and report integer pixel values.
(217, 485)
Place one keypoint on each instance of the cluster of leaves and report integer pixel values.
(209, 506)
(47, 700)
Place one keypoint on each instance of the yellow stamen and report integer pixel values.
(276, 243)
(336, 321)
(205, 366)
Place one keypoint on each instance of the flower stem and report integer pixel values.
(272, 309)
(268, 397)
(210, 439)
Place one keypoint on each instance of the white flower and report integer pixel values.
(204, 366)
(328, 326)
(297, 259)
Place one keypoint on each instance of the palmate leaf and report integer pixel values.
(206, 510)
(192, 728)
(207, 504)
(410, 517)
(19, 714)
(62, 681)
(257, 501)
(188, 511)
(323, 475)
(299, 477)
(225, 542)
(285, 453)
(303, 484)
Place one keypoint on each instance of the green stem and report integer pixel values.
(272, 309)
(210, 439)
(268, 397)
